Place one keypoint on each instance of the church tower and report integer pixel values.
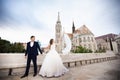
(73, 28)
(58, 35)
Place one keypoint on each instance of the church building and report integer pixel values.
(79, 37)
(82, 36)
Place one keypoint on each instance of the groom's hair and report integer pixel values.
(32, 37)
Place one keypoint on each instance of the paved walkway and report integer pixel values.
(109, 70)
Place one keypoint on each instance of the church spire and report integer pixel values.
(73, 24)
(73, 28)
(58, 21)
(58, 16)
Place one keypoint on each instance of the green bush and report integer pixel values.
(81, 49)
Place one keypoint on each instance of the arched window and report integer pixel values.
(80, 40)
(84, 39)
(92, 39)
(88, 39)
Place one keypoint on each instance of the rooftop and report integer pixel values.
(83, 30)
(110, 35)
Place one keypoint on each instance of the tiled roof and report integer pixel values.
(83, 30)
(70, 35)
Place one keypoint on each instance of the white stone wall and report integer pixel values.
(19, 60)
(118, 43)
(115, 48)
(58, 36)
(87, 41)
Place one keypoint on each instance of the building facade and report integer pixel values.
(83, 37)
(107, 42)
(79, 37)
(117, 39)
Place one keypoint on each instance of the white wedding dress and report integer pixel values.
(52, 65)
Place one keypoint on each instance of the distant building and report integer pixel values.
(107, 42)
(79, 37)
(117, 39)
(82, 37)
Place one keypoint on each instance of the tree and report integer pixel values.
(7, 47)
(4, 46)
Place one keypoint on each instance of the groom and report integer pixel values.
(31, 54)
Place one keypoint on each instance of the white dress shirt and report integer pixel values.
(31, 44)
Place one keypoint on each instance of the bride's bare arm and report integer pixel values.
(48, 47)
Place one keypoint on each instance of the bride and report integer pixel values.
(52, 65)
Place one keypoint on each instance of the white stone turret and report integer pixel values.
(58, 35)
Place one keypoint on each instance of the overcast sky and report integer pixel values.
(19, 19)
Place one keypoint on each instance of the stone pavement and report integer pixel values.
(109, 70)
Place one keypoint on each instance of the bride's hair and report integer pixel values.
(51, 42)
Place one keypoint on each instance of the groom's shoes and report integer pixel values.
(35, 74)
(23, 76)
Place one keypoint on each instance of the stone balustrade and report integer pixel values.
(11, 61)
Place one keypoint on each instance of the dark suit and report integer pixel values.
(32, 53)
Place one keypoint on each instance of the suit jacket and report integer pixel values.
(33, 50)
